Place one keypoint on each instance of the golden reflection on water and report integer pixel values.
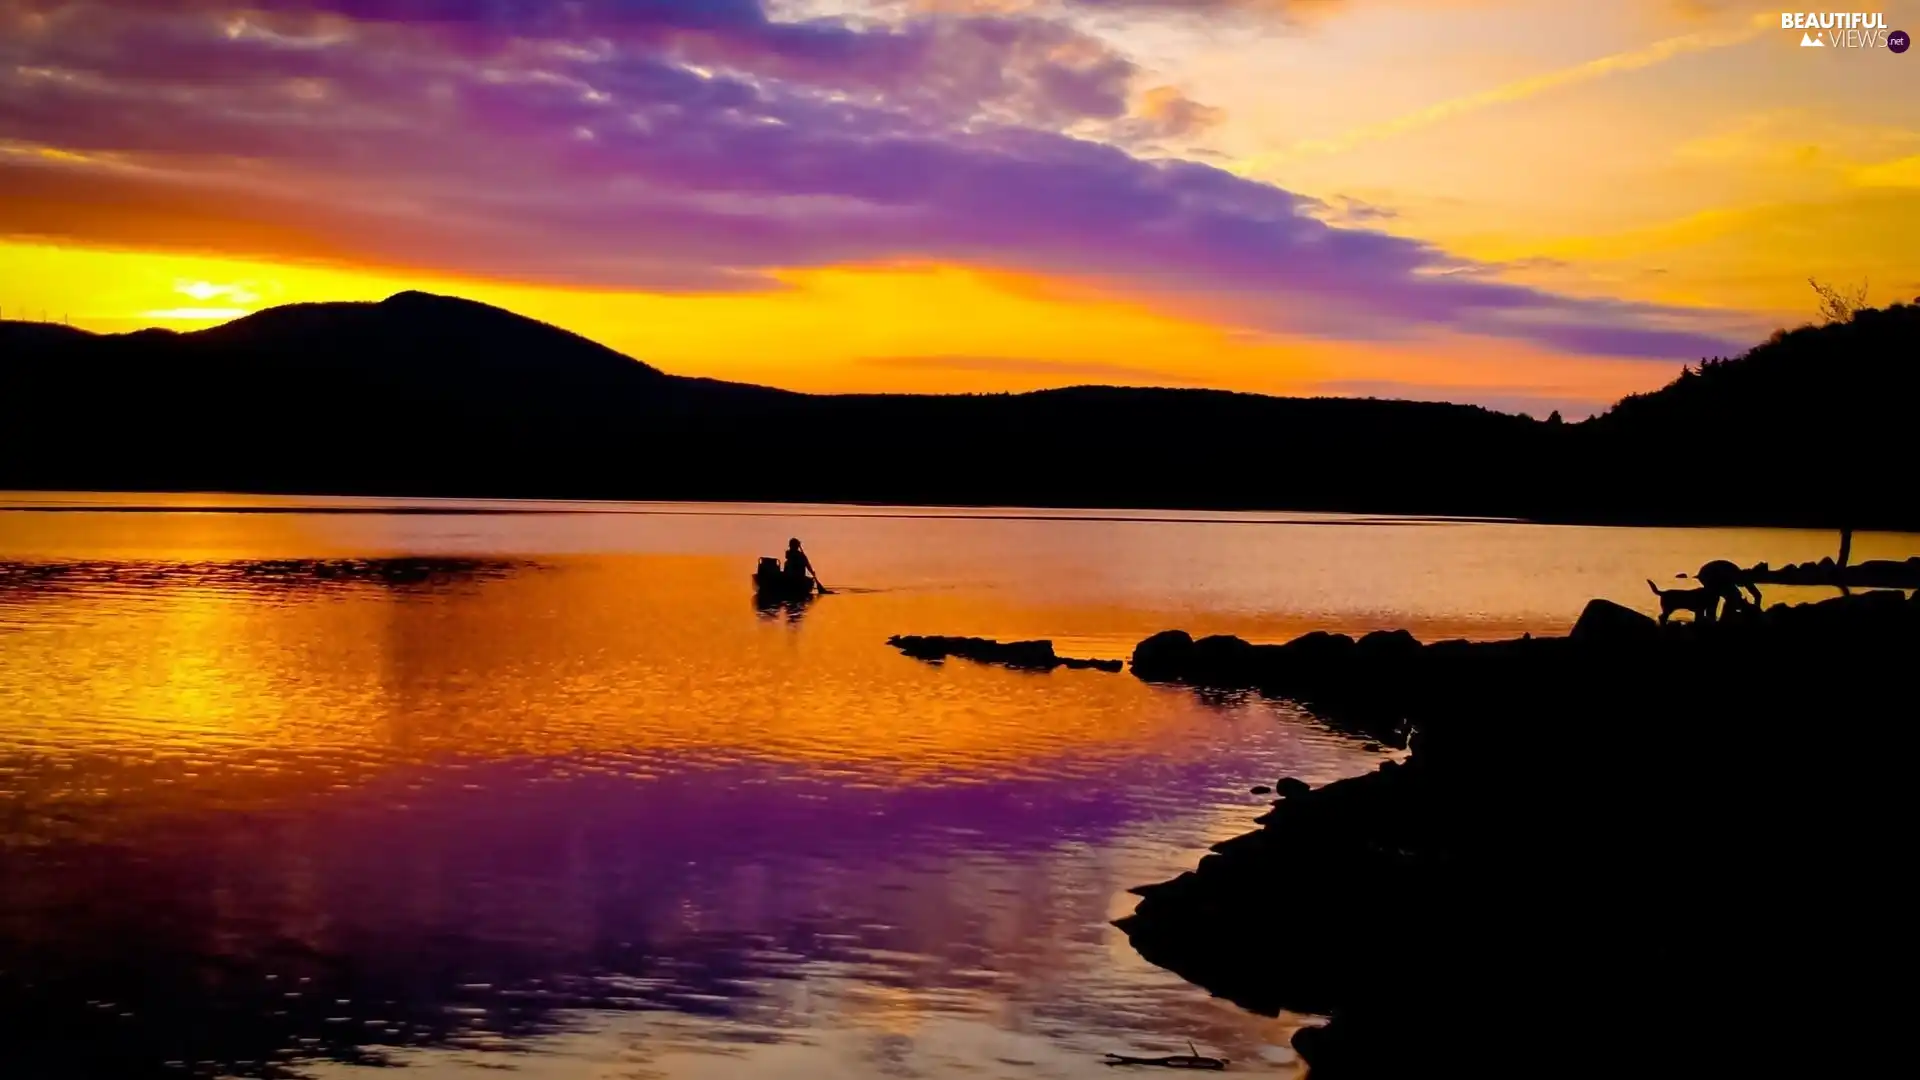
(617, 661)
(578, 796)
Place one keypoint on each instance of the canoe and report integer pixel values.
(780, 587)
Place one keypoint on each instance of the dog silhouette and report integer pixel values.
(1699, 601)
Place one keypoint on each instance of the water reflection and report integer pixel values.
(782, 609)
(290, 793)
(25, 582)
(441, 913)
(265, 817)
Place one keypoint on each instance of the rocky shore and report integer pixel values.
(1671, 847)
(1872, 574)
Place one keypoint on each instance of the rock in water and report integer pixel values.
(1289, 788)
(1164, 656)
(1024, 655)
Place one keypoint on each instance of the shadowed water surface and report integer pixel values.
(289, 787)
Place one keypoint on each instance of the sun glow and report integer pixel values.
(917, 328)
(926, 328)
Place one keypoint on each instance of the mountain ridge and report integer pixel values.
(426, 395)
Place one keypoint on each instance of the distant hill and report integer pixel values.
(426, 395)
(1816, 425)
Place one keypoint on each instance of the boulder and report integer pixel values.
(1321, 648)
(1164, 657)
(1384, 647)
(1221, 654)
(1607, 623)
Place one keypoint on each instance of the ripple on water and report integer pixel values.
(263, 813)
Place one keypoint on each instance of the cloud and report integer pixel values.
(238, 292)
(1294, 10)
(1632, 60)
(1289, 9)
(675, 145)
(1024, 70)
(1899, 173)
(1347, 210)
(1163, 112)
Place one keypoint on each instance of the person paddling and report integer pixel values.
(799, 569)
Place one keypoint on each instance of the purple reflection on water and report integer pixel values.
(479, 907)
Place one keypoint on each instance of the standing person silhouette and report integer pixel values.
(799, 568)
(1723, 580)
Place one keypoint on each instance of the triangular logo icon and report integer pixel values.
(1808, 41)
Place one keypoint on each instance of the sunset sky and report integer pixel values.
(1530, 204)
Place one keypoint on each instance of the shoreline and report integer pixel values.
(1067, 511)
(1691, 826)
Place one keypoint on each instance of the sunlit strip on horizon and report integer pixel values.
(197, 314)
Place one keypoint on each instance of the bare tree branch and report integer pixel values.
(1838, 305)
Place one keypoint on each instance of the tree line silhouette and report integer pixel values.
(425, 395)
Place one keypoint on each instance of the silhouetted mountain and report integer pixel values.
(15, 336)
(427, 395)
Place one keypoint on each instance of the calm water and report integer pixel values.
(561, 800)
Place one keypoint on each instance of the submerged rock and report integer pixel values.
(1024, 655)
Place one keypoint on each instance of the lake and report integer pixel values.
(290, 787)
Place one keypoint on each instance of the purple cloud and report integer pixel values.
(674, 144)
